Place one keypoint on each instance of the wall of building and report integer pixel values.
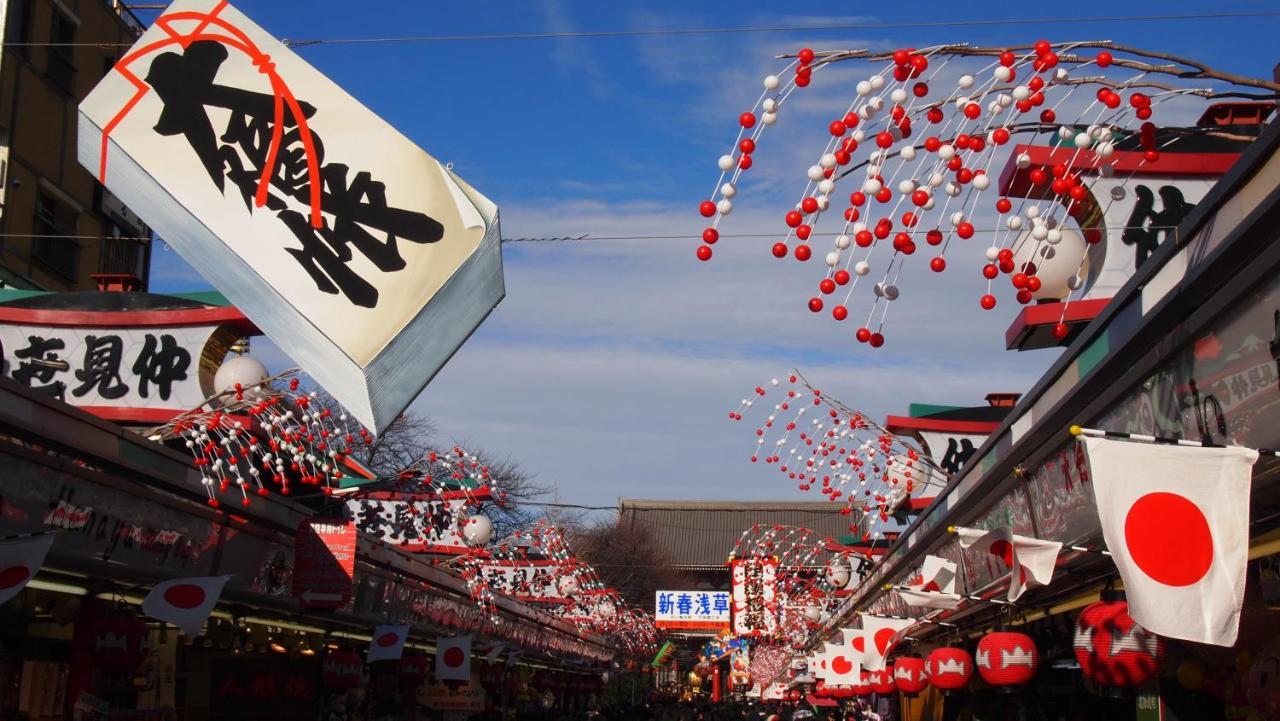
(44, 192)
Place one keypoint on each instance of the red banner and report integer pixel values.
(324, 559)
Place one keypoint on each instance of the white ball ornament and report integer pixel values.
(1039, 232)
(957, 218)
(863, 87)
(725, 206)
(908, 153)
(826, 185)
(1066, 133)
(833, 259)
(877, 82)
(828, 161)
(862, 267)
(1021, 92)
(771, 82)
(1054, 236)
(898, 96)
(726, 162)
(728, 191)
(871, 186)
(981, 182)
(930, 203)
(859, 135)
(907, 187)
(1003, 74)
(1106, 149)
(993, 253)
(1083, 140)
(1061, 74)
(952, 190)
(824, 202)
(815, 173)
(876, 104)
(1023, 161)
(477, 530)
(936, 180)
(946, 151)
(966, 81)
(770, 105)
(1013, 222)
(1032, 211)
(769, 118)
(843, 242)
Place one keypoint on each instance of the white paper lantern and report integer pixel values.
(839, 572)
(477, 530)
(1057, 265)
(242, 369)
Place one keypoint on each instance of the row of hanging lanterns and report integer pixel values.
(1111, 648)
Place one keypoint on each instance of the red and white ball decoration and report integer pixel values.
(910, 676)
(1007, 659)
(949, 668)
(912, 166)
(1112, 649)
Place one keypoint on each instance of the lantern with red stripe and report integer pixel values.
(910, 676)
(1007, 659)
(1112, 649)
(341, 669)
(414, 668)
(882, 682)
(949, 668)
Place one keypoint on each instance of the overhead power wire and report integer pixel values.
(671, 32)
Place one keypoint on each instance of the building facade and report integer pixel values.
(58, 226)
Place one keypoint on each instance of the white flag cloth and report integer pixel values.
(20, 559)
(185, 602)
(935, 587)
(1176, 520)
(843, 665)
(453, 658)
(1031, 561)
(879, 636)
(387, 643)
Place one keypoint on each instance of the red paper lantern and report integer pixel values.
(342, 669)
(949, 668)
(882, 682)
(910, 675)
(1112, 649)
(414, 669)
(120, 643)
(1007, 659)
(863, 687)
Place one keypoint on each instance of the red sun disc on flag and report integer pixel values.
(184, 595)
(454, 657)
(859, 643)
(1002, 549)
(883, 637)
(841, 665)
(13, 575)
(1169, 538)
(388, 639)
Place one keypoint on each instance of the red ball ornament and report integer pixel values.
(779, 250)
(704, 252)
(1143, 113)
(744, 162)
(1151, 156)
(747, 120)
(1033, 283)
(1007, 58)
(937, 265)
(839, 312)
(1007, 659)
(747, 145)
(972, 111)
(1112, 649)
(965, 230)
(863, 335)
(843, 157)
(932, 144)
(1000, 136)
(920, 90)
(1019, 280)
(841, 277)
(990, 271)
(710, 236)
(1023, 297)
(876, 341)
(1048, 116)
(901, 57)
(802, 81)
(707, 208)
(1060, 331)
(827, 286)
(884, 139)
(934, 115)
(987, 301)
(1105, 59)
(949, 668)
(837, 128)
(803, 252)
(919, 64)
(806, 56)
(920, 197)
(863, 238)
(884, 196)
(910, 676)
(933, 237)
(794, 219)
(1037, 176)
(857, 199)
(1003, 205)
(809, 205)
(803, 232)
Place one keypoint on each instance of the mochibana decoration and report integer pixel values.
(1007, 659)
(822, 445)
(924, 161)
(1112, 649)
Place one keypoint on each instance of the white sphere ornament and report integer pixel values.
(1083, 140)
(907, 153)
(871, 186)
(1003, 74)
(727, 190)
(769, 118)
(769, 105)
(981, 182)
(242, 369)
(1061, 75)
(815, 173)
(826, 185)
(843, 242)
(898, 96)
(1066, 133)
(877, 82)
(828, 161)
(907, 187)
(957, 218)
(1023, 161)
(876, 104)
(946, 151)
(725, 206)
(839, 573)
(966, 81)
(813, 614)
(952, 189)
(1039, 231)
(771, 82)
(1032, 211)
(863, 87)
(1118, 192)
(824, 203)
(862, 267)
(993, 253)
(1054, 236)
(1013, 222)
(1106, 149)
(930, 203)
(1056, 270)
(859, 135)
(477, 530)
(725, 162)
(937, 179)
(833, 259)
(1021, 92)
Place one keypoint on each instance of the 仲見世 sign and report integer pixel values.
(358, 253)
(692, 610)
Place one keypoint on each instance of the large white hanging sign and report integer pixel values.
(755, 596)
(363, 256)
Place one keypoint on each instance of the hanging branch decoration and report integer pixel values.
(839, 452)
(269, 435)
(927, 156)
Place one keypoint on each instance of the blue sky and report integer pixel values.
(611, 366)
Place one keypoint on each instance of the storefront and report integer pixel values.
(1188, 348)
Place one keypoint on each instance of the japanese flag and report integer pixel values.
(880, 634)
(387, 643)
(185, 602)
(843, 665)
(1030, 561)
(935, 587)
(20, 559)
(453, 658)
(1176, 520)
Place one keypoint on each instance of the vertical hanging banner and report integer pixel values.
(346, 243)
(755, 596)
(324, 561)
